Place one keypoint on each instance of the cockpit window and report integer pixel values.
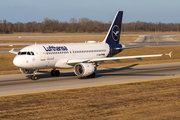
(23, 53)
(32, 53)
(26, 53)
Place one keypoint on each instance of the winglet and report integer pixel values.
(169, 54)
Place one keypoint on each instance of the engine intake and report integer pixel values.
(84, 69)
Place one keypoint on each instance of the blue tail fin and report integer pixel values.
(113, 35)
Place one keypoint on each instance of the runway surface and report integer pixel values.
(21, 83)
(156, 40)
(7, 50)
(46, 39)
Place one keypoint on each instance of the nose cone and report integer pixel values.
(17, 62)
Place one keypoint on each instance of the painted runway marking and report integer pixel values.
(173, 39)
(136, 39)
(155, 39)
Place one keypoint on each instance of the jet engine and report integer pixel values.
(84, 69)
(27, 71)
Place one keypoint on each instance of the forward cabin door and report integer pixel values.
(42, 54)
(43, 58)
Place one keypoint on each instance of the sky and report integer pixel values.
(165, 11)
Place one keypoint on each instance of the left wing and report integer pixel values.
(14, 52)
(114, 58)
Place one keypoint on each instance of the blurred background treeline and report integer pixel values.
(82, 25)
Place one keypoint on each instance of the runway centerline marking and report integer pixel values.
(155, 39)
(89, 86)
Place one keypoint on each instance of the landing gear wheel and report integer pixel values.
(55, 73)
(52, 72)
(34, 77)
(93, 75)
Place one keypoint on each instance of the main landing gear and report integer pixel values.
(55, 72)
(93, 75)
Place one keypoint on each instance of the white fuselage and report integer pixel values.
(40, 56)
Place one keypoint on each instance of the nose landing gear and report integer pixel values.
(34, 77)
(54, 72)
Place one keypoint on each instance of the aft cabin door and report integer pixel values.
(42, 54)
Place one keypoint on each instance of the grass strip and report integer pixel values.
(159, 99)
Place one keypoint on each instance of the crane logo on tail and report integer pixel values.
(115, 33)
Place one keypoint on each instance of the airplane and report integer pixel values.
(83, 57)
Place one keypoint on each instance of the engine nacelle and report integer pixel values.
(26, 71)
(84, 69)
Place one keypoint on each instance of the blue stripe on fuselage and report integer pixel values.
(113, 51)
